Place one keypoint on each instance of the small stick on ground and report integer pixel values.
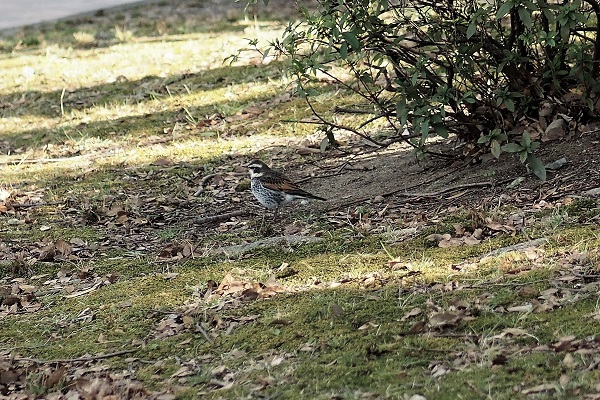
(220, 217)
(203, 183)
(200, 329)
(73, 360)
(474, 185)
(32, 205)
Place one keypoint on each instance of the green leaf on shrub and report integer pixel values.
(549, 15)
(352, 40)
(414, 78)
(512, 148)
(308, 92)
(523, 156)
(483, 139)
(525, 16)
(537, 166)
(510, 105)
(441, 130)
(526, 141)
(471, 29)
(344, 51)
(401, 112)
(504, 9)
(425, 128)
(534, 146)
(565, 31)
(495, 148)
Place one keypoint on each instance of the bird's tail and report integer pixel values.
(312, 196)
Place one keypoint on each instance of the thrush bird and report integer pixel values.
(272, 189)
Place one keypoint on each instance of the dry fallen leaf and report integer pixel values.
(523, 308)
(55, 377)
(471, 241)
(443, 319)
(528, 291)
(451, 242)
(412, 313)
(162, 162)
(564, 343)
(569, 361)
(368, 325)
(418, 327)
(439, 370)
(546, 387)
(514, 331)
(437, 237)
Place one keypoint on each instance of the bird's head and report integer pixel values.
(257, 168)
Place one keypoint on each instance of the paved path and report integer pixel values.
(15, 13)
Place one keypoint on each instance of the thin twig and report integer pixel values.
(200, 329)
(453, 188)
(31, 205)
(73, 360)
(400, 192)
(48, 292)
(336, 126)
(203, 182)
(220, 217)
(507, 284)
(62, 105)
(584, 276)
(452, 335)
(352, 110)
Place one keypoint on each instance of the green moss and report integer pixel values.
(581, 207)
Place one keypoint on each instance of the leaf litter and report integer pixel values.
(205, 314)
(69, 380)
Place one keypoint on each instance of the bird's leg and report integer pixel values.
(262, 223)
(276, 214)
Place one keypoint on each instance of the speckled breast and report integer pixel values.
(267, 197)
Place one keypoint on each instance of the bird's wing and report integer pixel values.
(278, 181)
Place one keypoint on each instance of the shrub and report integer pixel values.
(475, 68)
